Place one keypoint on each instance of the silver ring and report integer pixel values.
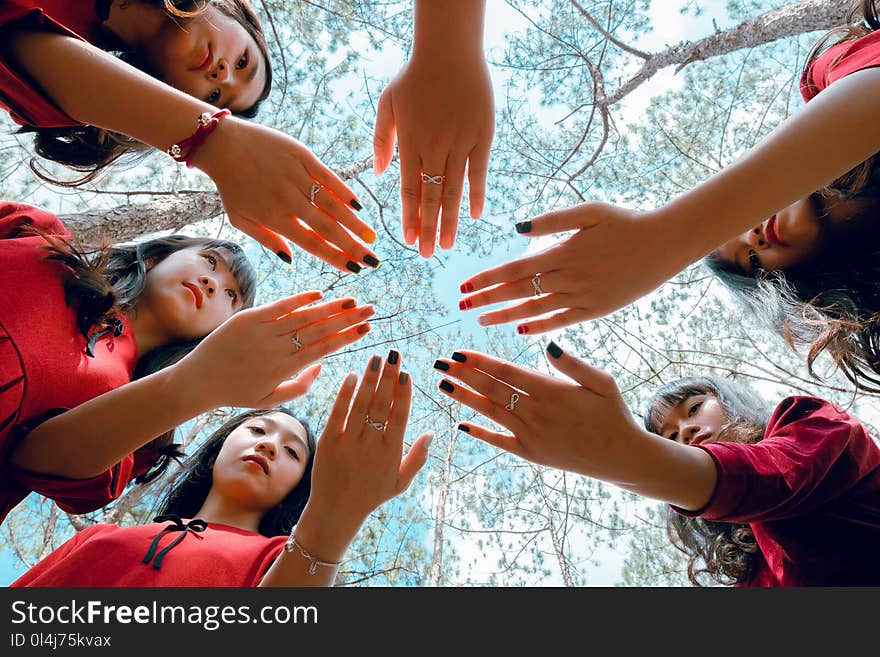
(297, 345)
(513, 399)
(432, 180)
(314, 192)
(536, 283)
(373, 424)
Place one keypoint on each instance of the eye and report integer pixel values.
(694, 407)
(292, 452)
(260, 431)
(232, 295)
(753, 261)
(211, 260)
(213, 97)
(673, 436)
(243, 61)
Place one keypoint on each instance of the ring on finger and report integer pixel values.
(297, 343)
(314, 192)
(375, 424)
(536, 283)
(512, 404)
(432, 180)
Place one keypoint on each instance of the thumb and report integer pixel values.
(585, 215)
(295, 387)
(383, 134)
(592, 378)
(413, 461)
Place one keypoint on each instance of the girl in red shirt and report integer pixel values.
(249, 509)
(786, 497)
(89, 108)
(112, 344)
(807, 260)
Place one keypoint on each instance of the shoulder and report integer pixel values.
(15, 218)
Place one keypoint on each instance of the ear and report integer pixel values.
(151, 262)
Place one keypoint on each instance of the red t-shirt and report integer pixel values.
(810, 491)
(19, 94)
(839, 61)
(108, 555)
(44, 368)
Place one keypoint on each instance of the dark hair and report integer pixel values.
(725, 552)
(190, 490)
(102, 283)
(90, 149)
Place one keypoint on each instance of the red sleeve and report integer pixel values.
(839, 61)
(52, 559)
(19, 95)
(15, 216)
(812, 453)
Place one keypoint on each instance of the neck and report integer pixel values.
(134, 23)
(147, 334)
(217, 509)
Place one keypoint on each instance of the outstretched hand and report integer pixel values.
(614, 257)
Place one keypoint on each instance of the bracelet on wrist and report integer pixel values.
(184, 151)
(292, 544)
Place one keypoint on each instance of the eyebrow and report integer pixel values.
(225, 260)
(250, 77)
(277, 425)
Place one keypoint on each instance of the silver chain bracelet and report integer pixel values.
(313, 562)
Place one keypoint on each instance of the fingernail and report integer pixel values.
(356, 204)
(466, 287)
(403, 378)
(375, 361)
(522, 328)
(445, 385)
(368, 236)
(393, 357)
(462, 427)
(458, 356)
(349, 304)
(367, 312)
(363, 328)
(429, 439)
(554, 349)
(524, 227)
(284, 256)
(483, 320)
(440, 365)
(464, 304)
(372, 261)
(353, 266)
(350, 378)
(410, 236)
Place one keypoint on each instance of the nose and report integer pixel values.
(756, 238)
(209, 285)
(220, 72)
(688, 432)
(266, 448)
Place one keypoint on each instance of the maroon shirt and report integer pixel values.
(43, 365)
(810, 491)
(839, 61)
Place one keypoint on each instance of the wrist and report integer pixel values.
(440, 23)
(324, 534)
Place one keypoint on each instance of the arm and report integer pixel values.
(245, 362)
(583, 427)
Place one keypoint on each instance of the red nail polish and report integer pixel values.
(522, 328)
(464, 304)
(466, 287)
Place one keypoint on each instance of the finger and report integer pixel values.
(527, 309)
(329, 325)
(501, 370)
(573, 218)
(272, 311)
(495, 412)
(399, 417)
(555, 321)
(307, 239)
(327, 178)
(495, 438)
(361, 405)
(384, 132)
(410, 190)
(478, 166)
(336, 421)
(433, 169)
(302, 317)
(415, 458)
(452, 188)
(334, 208)
(332, 231)
(271, 240)
(315, 351)
(525, 287)
(515, 270)
(293, 388)
(380, 406)
(579, 371)
(498, 392)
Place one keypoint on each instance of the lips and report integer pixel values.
(196, 292)
(260, 460)
(772, 233)
(701, 438)
(206, 61)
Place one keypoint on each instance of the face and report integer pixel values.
(190, 293)
(261, 461)
(698, 419)
(211, 57)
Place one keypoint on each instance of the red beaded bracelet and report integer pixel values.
(183, 151)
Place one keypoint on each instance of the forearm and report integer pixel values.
(98, 89)
(94, 436)
(445, 29)
(830, 135)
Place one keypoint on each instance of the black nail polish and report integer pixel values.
(460, 357)
(554, 349)
(440, 365)
(356, 204)
(403, 378)
(284, 256)
(372, 261)
(353, 266)
(462, 427)
(393, 357)
(524, 227)
(375, 361)
(445, 385)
